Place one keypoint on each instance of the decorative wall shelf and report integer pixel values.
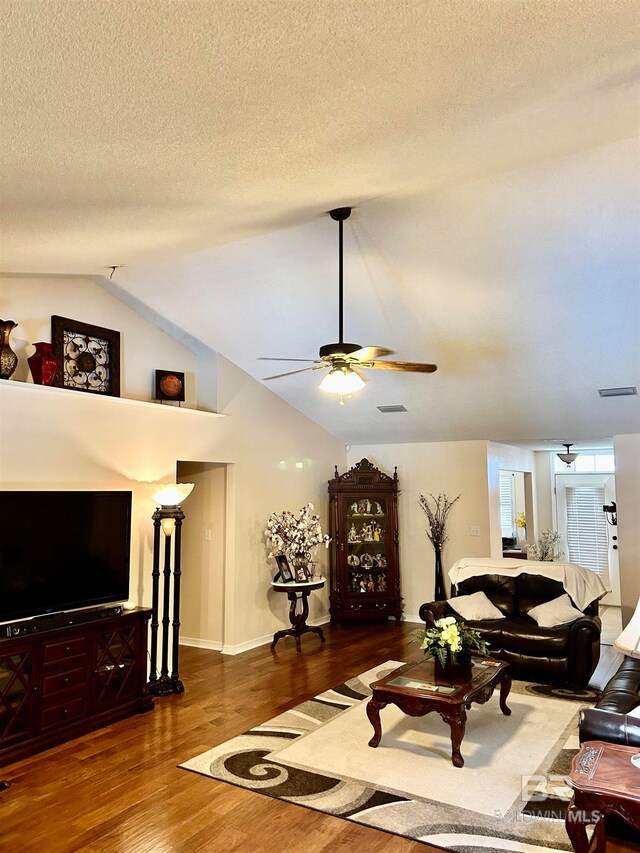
(103, 399)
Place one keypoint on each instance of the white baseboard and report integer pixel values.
(409, 617)
(197, 643)
(247, 646)
(216, 646)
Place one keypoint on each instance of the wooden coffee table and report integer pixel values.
(417, 689)
(604, 782)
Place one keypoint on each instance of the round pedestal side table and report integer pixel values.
(298, 594)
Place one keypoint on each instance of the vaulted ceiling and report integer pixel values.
(486, 146)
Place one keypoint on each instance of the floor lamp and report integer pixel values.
(167, 518)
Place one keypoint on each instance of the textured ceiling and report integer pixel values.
(138, 130)
(487, 146)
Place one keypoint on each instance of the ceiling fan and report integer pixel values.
(345, 361)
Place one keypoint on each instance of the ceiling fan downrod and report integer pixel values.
(339, 214)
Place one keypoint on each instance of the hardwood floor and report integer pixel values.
(118, 790)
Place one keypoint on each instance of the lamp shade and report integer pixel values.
(629, 641)
(341, 380)
(170, 494)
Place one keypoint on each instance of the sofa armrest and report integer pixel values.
(434, 610)
(598, 724)
(584, 649)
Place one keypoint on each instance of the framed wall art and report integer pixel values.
(170, 385)
(89, 356)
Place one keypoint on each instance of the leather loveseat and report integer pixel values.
(610, 719)
(565, 654)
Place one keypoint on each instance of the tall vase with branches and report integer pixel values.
(437, 510)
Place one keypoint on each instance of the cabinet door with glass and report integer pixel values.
(18, 694)
(117, 667)
(365, 578)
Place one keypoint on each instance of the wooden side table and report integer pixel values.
(604, 782)
(298, 594)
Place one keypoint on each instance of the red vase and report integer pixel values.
(43, 364)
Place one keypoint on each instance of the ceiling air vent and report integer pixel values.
(625, 391)
(387, 410)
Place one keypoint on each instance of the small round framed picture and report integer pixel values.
(170, 385)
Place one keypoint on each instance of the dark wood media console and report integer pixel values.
(61, 682)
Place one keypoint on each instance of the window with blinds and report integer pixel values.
(507, 505)
(587, 529)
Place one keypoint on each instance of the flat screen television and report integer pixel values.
(62, 551)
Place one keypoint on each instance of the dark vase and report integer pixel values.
(457, 666)
(8, 358)
(440, 592)
(43, 364)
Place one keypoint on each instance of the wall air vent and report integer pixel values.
(388, 410)
(625, 391)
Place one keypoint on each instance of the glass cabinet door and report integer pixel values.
(366, 525)
(15, 684)
(115, 673)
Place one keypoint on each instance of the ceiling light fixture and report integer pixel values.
(342, 380)
(567, 457)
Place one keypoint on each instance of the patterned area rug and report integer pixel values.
(509, 796)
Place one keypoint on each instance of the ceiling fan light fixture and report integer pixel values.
(341, 380)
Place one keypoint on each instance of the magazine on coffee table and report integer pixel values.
(427, 686)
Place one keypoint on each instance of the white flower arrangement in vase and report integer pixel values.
(295, 536)
(546, 548)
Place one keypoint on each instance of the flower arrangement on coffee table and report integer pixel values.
(450, 641)
(296, 537)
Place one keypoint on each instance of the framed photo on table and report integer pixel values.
(285, 575)
(89, 356)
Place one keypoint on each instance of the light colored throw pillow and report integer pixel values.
(475, 607)
(551, 614)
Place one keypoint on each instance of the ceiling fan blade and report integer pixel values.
(369, 353)
(311, 360)
(408, 366)
(291, 372)
(361, 375)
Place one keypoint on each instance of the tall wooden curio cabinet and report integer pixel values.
(365, 576)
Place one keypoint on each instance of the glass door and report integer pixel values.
(366, 545)
(588, 539)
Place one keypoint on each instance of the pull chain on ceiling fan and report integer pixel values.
(346, 360)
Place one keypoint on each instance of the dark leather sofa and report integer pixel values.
(567, 654)
(609, 719)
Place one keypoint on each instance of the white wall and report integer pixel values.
(627, 455)
(53, 438)
(31, 300)
(453, 467)
(544, 490)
